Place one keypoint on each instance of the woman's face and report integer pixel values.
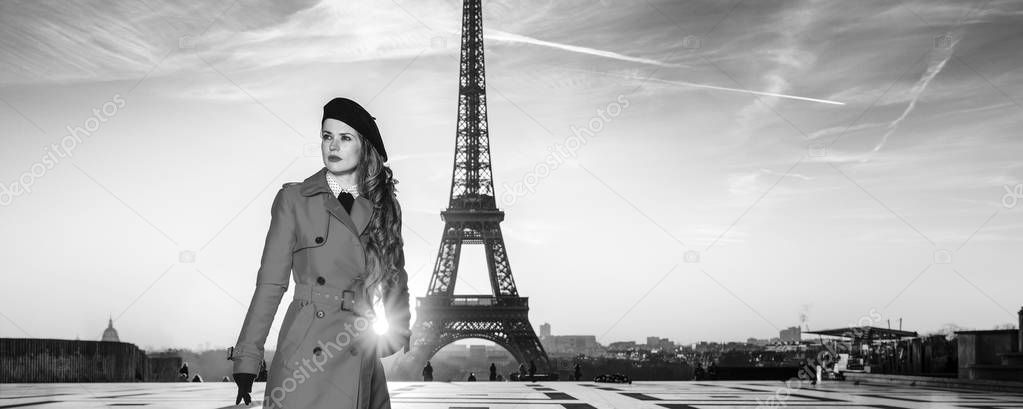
(341, 146)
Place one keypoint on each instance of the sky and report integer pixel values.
(693, 170)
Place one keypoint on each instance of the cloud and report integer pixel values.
(103, 43)
(748, 187)
(789, 59)
(842, 130)
(41, 42)
(790, 174)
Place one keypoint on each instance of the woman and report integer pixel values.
(339, 231)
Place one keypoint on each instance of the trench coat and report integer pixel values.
(327, 351)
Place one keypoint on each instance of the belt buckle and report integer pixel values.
(347, 300)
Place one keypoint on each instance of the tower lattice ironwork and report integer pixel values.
(472, 218)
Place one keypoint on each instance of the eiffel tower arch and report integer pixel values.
(472, 218)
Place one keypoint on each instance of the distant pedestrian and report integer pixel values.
(532, 371)
(183, 372)
(578, 372)
(493, 372)
(522, 372)
(472, 376)
(428, 372)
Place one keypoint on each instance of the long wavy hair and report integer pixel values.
(382, 238)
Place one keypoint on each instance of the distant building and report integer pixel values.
(705, 346)
(569, 344)
(791, 334)
(621, 345)
(477, 353)
(572, 344)
(545, 330)
(663, 344)
(37, 360)
(758, 342)
(110, 334)
(498, 355)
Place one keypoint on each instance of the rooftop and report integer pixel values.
(865, 332)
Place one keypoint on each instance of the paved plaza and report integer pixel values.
(510, 395)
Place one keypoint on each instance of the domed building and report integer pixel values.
(38, 360)
(110, 334)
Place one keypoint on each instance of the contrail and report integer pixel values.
(746, 91)
(516, 38)
(690, 84)
(916, 91)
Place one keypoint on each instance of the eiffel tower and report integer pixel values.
(472, 218)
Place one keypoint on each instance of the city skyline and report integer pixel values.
(698, 170)
(208, 345)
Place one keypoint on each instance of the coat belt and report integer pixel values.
(344, 299)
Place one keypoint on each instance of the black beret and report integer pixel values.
(353, 114)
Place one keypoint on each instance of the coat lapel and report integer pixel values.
(362, 212)
(362, 209)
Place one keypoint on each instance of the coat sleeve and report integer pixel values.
(271, 283)
(396, 301)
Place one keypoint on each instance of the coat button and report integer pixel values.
(353, 351)
(319, 240)
(320, 314)
(317, 350)
(320, 280)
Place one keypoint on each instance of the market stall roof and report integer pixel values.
(865, 332)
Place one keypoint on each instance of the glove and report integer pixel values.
(244, 382)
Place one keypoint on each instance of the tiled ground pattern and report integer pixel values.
(514, 395)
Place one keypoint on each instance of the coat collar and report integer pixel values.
(362, 209)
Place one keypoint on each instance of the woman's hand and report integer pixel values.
(244, 382)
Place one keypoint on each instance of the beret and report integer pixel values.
(353, 114)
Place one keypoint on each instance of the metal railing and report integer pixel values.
(473, 300)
